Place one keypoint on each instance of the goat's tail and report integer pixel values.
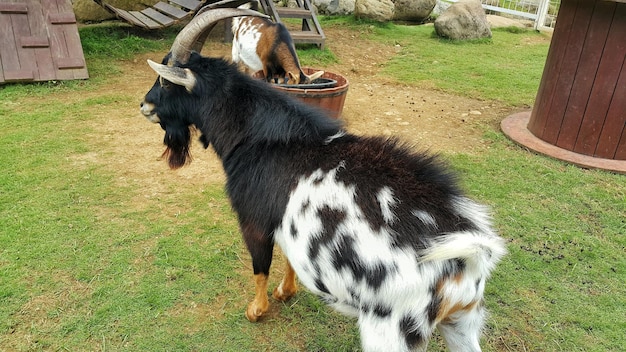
(479, 251)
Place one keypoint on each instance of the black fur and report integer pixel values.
(267, 140)
(272, 145)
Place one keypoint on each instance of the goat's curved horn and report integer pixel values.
(191, 37)
(315, 75)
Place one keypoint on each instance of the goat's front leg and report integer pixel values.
(269, 76)
(260, 247)
(260, 304)
(287, 287)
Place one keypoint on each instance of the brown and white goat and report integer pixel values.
(373, 228)
(261, 44)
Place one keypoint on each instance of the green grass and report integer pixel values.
(89, 263)
(310, 55)
(123, 42)
(559, 288)
(506, 67)
(503, 68)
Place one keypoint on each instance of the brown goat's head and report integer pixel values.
(176, 83)
(285, 59)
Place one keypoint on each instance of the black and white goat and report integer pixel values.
(263, 45)
(376, 230)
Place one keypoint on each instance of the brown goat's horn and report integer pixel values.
(191, 37)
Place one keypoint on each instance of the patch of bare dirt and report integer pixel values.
(427, 118)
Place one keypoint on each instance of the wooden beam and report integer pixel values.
(66, 63)
(62, 18)
(170, 10)
(158, 17)
(13, 7)
(145, 20)
(188, 4)
(34, 42)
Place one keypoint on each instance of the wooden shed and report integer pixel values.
(580, 110)
(39, 41)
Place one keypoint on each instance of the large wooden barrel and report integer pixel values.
(581, 101)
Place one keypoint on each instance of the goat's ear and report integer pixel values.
(315, 75)
(292, 79)
(177, 75)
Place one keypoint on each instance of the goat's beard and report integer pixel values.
(177, 140)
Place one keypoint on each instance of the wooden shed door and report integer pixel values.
(39, 41)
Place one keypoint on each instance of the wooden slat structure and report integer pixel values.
(160, 15)
(164, 14)
(581, 103)
(39, 41)
(311, 31)
(580, 111)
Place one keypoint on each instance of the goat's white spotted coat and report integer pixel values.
(406, 289)
(245, 42)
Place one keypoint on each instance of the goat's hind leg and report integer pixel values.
(287, 287)
(462, 329)
(383, 332)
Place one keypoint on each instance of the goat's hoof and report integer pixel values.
(284, 294)
(254, 311)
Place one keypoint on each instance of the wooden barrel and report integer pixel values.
(329, 99)
(581, 101)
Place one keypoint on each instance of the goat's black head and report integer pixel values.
(167, 104)
(169, 101)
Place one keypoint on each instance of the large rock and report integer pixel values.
(413, 10)
(440, 7)
(465, 19)
(334, 7)
(377, 10)
(89, 11)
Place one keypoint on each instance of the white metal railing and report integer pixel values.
(546, 17)
(541, 12)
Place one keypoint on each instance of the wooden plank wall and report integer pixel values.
(39, 41)
(581, 102)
